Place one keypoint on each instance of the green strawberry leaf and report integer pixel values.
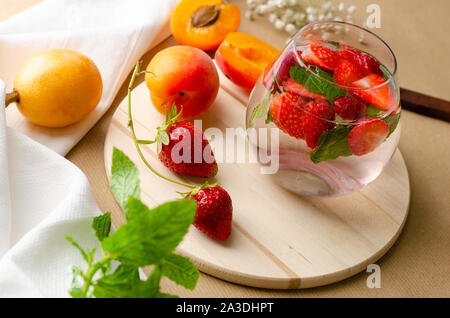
(332, 144)
(392, 121)
(102, 225)
(149, 237)
(180, 270)
(124, 180)
(164, 137)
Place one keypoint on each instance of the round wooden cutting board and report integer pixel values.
(279, 240)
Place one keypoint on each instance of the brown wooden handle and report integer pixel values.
(425, 105)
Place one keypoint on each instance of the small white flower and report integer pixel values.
(261, 9)
(311, 17)
(293, 2)
(311, 10)
(327, 6)
(341, 7)
(252, 4)
(329, 16)
(289, 13)
(290, 28)
(279, 24)
(321, 17)
(249, 15)
(351, 9)
(272, 17)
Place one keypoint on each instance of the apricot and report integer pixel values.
(184, 76)
(204, 23)
(57, 88)
(243, 58)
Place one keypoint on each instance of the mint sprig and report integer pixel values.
(315, 84)
(148, 238)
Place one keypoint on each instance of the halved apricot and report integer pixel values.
(204, 23)
(243, 58)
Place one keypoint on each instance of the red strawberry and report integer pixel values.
(366, 63)
(286, 112)
(380, 97)
(349, 108)
(321, 56)
(280, 69)
(296, 88)
(214, 212)
(316, 120)
(346, 73)
(369, 133)
(173, 134)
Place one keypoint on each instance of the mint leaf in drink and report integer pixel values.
(332, 144)
(180, 270)
(102, 225)
(261, 109)
(315, 84)
(392, 121)
(124, 178)
(372, 111)
(152, 236)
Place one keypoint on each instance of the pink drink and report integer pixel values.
(336, 105)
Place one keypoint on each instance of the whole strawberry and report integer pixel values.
(317, 118)
(286, 113)
(188, 157)
(349, 107)
(214, 211)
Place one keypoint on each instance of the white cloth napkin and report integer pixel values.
(113, 33)
(43, 197)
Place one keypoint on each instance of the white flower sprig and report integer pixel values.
(290, 15)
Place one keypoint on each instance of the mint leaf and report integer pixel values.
(102, 225)
(315, 84)
(125, 283)
(261, 109)
(165, 295)
(372, 111)
(392, 121)
(135, 209)
(124, 178)
(180, 270)
(75, 289)
(149, 237)
(332, 144)
(78, 247)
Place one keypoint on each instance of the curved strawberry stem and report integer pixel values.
(138, 142)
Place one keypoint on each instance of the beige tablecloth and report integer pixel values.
(418, 265)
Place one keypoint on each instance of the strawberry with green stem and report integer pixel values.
(214, 205)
